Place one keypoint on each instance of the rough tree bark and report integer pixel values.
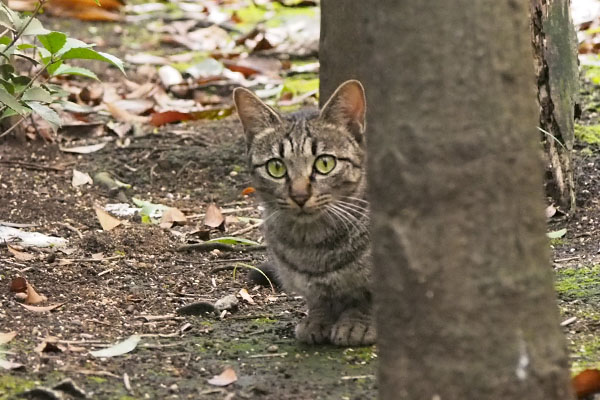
(464, 300)
(555, 49)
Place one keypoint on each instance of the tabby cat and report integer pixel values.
(308, 169)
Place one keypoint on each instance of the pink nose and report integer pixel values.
(300, 191)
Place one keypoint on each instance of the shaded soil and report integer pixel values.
(145, 276)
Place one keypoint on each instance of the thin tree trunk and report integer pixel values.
(464, 296)
(555, 49)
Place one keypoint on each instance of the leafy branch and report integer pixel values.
(24, 93)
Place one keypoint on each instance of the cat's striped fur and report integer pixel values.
(316, 224)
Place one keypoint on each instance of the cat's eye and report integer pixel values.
(325, 164)
(276, 168)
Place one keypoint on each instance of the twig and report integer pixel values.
(17, 225)
(270, 355)
(28, 165)
(6, 132)
(220, 246)
(72, 228)
(355, 377)
(90, 259)
(246, 229)
(567, 259)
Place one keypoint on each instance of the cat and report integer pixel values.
(308, 169)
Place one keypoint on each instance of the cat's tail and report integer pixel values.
(269, 271)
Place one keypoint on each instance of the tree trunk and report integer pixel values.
(464, 300)
(555, 49)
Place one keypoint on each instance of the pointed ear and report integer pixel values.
(255, 115)
(347, 107)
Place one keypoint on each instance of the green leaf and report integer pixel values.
(8, 17)
(11, 102)
(65, 69)
(26, 46)
(21, 82)
(56, 90)
(233, 240)
(34, 28)
(557, 234)
(53, 67)
(6, 70)
(5, 40)
(53, 42)
(98, 3)
(85, 53)
(10, 88)
(9, 112)
(48, 114)
(37, 94)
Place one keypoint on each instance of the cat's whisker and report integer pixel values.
(356, 199)
(353, 219)
(347, 216)
(339, 216)
(362, 210)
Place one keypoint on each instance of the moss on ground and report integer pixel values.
(589, 134)
(579, 283)
(11, 386)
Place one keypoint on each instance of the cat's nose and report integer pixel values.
(300, 191)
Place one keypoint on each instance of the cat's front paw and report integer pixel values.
(313, 331)
(352, 330)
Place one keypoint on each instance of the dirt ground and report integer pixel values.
(133, 279)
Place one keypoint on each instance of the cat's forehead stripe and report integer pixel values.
(263, 133)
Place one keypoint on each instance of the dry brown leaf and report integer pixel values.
(18, 285)
(33, 297)
(213, 217)
(81, 178)
(84, 149)
(20, 255)
(586, 383)
(227, 377)
(173, 216)
(107, 221)
(43, 308)
(125, 116)
(6, 337)
(246, 296)
(167, 117)
(247, 191)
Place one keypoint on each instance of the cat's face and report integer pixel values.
(306, 164)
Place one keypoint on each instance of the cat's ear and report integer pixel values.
(255, 115)
(347, 106)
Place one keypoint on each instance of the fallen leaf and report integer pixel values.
(134, 106)
(18, 285)
(169, 76)
(84, 149)
(213, 217)
(247, 191)
(118, 349)
(81, 178)
(49, 345)
(6, 337)
(550, 211)
(125, 116)
(172, 216)
(107, 221)
(167, 117)
(557, 234)
(5, 364)
(145, 58)
(246, 296)
(586, 383)
(20, 255)
(42, 308)
(227, 377)
(33, 297)
(28, 239)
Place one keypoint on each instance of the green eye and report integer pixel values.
(325, 164)
(276, 168)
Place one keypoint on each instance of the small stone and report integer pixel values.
(174, 388)
(273, 348)
(228, 303)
